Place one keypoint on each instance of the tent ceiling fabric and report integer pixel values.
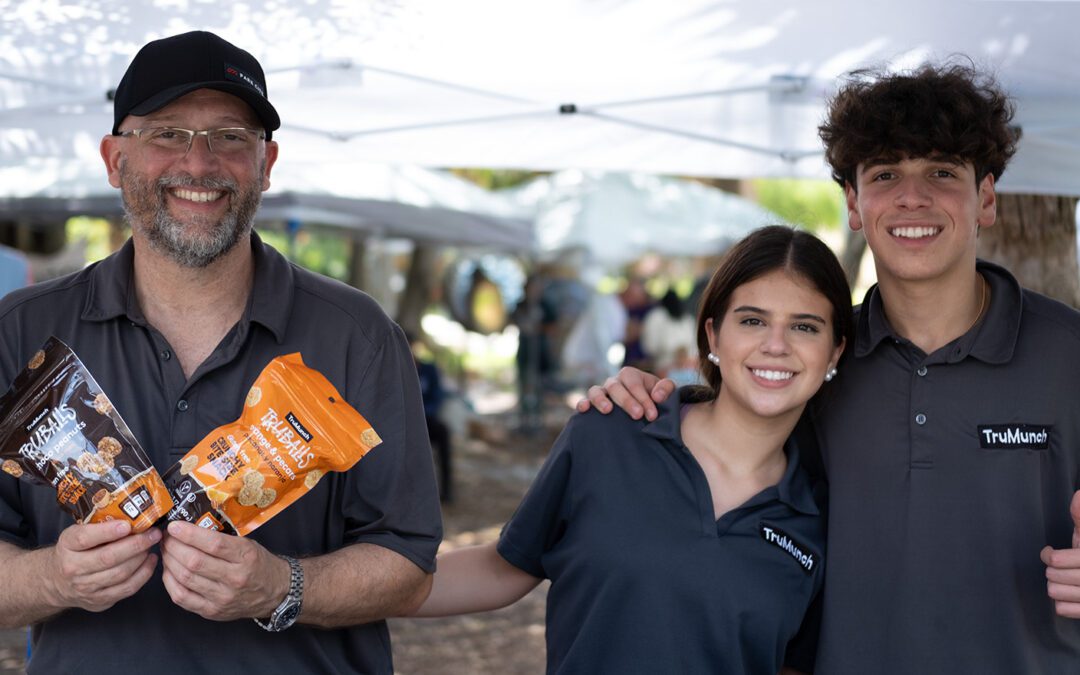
(729, 89)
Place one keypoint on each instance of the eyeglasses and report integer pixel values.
(232, 142)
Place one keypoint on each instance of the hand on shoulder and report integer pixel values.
(635, 391)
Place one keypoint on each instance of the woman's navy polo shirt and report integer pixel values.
(644, 578)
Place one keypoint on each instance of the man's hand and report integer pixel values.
(633, 390)
(95, 566)
(219, 576)
(1063, 569)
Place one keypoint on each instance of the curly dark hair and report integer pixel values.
(949, 110)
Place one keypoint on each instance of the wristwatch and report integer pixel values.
(286, 613)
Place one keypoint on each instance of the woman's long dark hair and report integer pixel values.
(763, 251)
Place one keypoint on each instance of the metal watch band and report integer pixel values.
(286, 613)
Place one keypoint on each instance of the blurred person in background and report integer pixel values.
(637, 302)
(536, 317)
(666, 332)
(14, 270)
(431, 390)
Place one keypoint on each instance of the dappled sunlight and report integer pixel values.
(688, 88)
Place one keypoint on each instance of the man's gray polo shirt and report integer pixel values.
(645, 579)
(388, 498)
(948, 473)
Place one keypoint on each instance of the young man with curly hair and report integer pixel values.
(951, 436)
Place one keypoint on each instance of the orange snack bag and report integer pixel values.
(58, 428)
(295, 427)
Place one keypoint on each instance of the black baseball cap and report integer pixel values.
(166, 69)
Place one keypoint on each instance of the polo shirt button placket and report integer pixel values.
(920, 419)
(182, 405)
(921, 372)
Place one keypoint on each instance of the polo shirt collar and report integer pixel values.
(992, 340)
(112, 291)
(794, 488)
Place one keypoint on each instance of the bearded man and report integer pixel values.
(175, 327)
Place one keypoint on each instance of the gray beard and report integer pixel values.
(145, 210)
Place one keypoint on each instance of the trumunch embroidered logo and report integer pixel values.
(785, 542)
(1015, 436)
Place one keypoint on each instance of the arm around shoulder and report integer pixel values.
(635, 391)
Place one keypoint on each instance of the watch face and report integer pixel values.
(288, 616)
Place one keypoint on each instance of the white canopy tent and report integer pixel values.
(618, 217)
(696, 87)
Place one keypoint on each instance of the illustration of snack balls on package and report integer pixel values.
(294, 428)
(58, 428)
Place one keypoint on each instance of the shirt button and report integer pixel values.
(182, 405)
(921, 371)
(920, 419)
(166, 355)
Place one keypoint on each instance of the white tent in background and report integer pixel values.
(408, 202)
(617, 217)
(387, 201)
(694, 87)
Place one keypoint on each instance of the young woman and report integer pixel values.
(692, 543)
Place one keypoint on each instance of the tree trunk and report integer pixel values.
(357, 266)
(1035, 239)
(851, 258)
(419, 285)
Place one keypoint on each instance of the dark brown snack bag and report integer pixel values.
(58, 428)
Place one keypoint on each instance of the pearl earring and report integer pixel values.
(713, 359)
(830, 375)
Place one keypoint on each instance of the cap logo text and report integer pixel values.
(234, 73)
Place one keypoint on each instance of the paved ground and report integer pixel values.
(493, 469)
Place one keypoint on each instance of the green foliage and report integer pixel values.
(495, 179)
(325, 253)
(813, 204)
(95, 232)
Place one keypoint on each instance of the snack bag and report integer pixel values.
(295, 427)
(58, 428)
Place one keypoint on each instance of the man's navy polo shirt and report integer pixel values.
(389, 498)
(948, 473)
(644, 578)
